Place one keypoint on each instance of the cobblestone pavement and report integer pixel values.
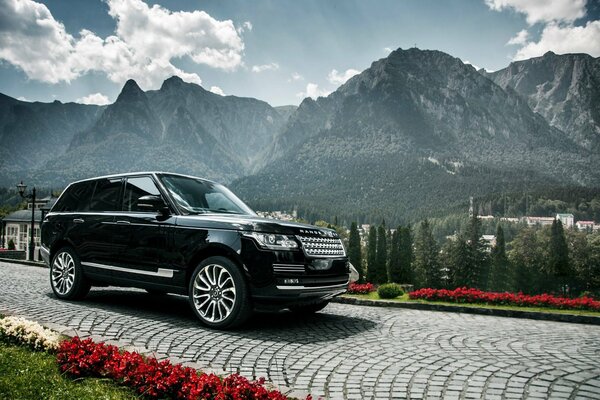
(345, 351)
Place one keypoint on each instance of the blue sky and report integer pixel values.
(279, 51)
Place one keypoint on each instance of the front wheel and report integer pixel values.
(66, 275)
(218, 293)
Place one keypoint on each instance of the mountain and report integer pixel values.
(181, 127)
(33, 133)
(565, 89)
(417, 132)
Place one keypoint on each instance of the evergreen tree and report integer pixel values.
(426, 265)
(526, 259)
(395, 266)
(372, 255)
(381, 260)
(500, 268)
(558, 257)
(355, 251)
(454, 258)
(475, 273)
(406, 255)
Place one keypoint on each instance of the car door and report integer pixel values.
(142, 236)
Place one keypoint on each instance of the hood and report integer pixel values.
(250, 223)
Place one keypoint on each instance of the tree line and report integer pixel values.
(537, 260)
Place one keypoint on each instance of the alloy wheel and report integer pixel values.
(63, 273)
(214, 293)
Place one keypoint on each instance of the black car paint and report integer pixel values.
(146, 242)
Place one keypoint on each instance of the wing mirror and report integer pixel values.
(153, 203)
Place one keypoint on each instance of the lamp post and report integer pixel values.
(21, 188)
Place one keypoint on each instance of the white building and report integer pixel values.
(567, 220)
(541, 221)
(585, 226)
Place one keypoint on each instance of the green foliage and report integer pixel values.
(389, 291)
(454, 258)
(372, 255)
(475, 272)
(394, 262)
(558, 257)
(426, 269)
(381, 275)
(11, 245)
(500, 273)
(355, 251)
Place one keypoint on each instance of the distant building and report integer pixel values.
(486, 217)
(585, 226)
(567, 220)
(508, 219)
(540, 221)
(490, 241)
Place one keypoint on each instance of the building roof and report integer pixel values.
(585, 222)
(23, 216)
(559, 215)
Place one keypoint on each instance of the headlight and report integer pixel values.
(274, 241)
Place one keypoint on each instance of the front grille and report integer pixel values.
(322, 247)
(288, 268)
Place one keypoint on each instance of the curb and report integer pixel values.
(571, 318)
(24, 262)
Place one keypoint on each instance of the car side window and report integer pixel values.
(76, 198)
(106, 195)
(134, 189)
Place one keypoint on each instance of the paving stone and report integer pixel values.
(342, 352)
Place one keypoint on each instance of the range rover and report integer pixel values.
(173, 233)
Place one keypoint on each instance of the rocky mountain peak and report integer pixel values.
(174, 83)
(130, 92)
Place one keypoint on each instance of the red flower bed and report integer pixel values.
(470, 295)
(156, 379)
(361, 288)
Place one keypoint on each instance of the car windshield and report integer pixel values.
(196, 196)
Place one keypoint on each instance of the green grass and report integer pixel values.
(404, 299)
(27, 374)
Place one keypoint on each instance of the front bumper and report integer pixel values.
(45, 252)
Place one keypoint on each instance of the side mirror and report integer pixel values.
(153, 203)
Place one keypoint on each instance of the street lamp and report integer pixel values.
(21, 188)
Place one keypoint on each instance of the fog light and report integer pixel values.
(291, 281)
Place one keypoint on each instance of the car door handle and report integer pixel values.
(78, 221)
(123, 222)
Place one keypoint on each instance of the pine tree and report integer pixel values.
(476, 268)
(426, 265)
(454, 258)
(355, 251)
(395, 266)
(372, 255)
(558, 259)
(406, 255)
(381, 260)
(500, 267)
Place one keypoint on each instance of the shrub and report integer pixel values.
(390, 291)
(155, 379)
(11, 245)
(21, 331)
(361, 288)
(471, 295)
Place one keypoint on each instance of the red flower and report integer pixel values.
(361, 288)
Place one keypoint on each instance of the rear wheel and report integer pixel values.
(66, 275)
(309, 308)
(218, 293)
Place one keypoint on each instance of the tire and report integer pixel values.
(218, 294)
(66, 275)
(309, 308)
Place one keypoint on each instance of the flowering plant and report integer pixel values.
(21, 331)
(361, 288)
(156, 379)
(471, 295)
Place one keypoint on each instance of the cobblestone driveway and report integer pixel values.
(344, 351)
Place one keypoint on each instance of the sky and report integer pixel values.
(279, 51)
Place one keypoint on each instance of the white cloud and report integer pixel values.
(542, 10)
(519, 39)
(146, 40)
(247, 25)
(295, 77)
(265, 67)
(94, 98)
(564, 39)
(313, 90)
(217, 90)
(470, 63)
(387, 49)
(339, 78)
(21, 98)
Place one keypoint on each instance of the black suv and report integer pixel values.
(166, 232)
